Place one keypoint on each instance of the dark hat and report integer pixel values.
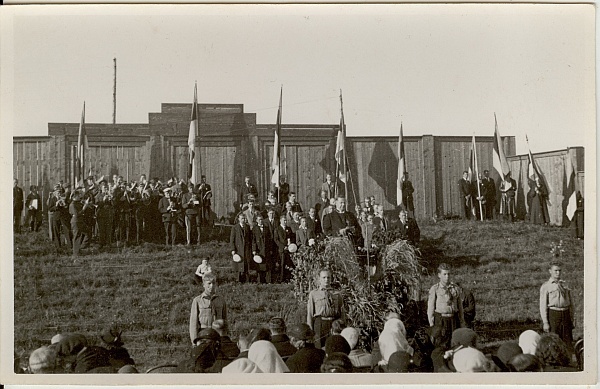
(208, 334)
(301, 331)
(337, 343)
(399, 362)
(111, 335)
(276, 323)
(505, 353)
(259, 334)
(465, 337)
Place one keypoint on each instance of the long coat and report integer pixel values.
(262, 244)
(240, 241)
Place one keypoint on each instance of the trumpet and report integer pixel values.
(61, 201)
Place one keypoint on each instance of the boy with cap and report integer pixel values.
(207, 307)
(444, 306)
(308, 358)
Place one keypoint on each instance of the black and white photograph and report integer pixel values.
(393, 192)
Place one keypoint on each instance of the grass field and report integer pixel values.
(148, 289)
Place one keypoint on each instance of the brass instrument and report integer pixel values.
(61, 201)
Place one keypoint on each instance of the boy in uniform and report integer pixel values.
(207, 307)
(324, 305)
(556, 307)
(444, 306)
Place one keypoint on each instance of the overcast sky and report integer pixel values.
(439, 69)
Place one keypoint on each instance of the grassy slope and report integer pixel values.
(148, 290)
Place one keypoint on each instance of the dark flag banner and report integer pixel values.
(192, 139)
(276, 163)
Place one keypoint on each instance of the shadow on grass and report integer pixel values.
(433, 254)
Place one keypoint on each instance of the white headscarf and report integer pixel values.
(528, 341)
(393, 338)
(264, 354)
(241, 365)
(470, 360)
(351, 336)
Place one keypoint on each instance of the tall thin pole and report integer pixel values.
(345, 161)
(477, 180)
(115, 93)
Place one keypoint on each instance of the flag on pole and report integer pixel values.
(192, 138)
(533, 172)
(82, 145)
(340, 149)
(276, 163)
(401, 167)
(570, 172)
(499, 158)
(472, 162)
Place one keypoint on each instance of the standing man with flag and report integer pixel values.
(538, 193)
(340, 154)
(404, 188)
(501, 166)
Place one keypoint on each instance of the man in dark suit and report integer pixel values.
(313, 222)
(322, 203)
(328, 186)
(303, 233)
(205, 195)
(479, 196)
(340, 222)
(464, 189)
(262, 245)
(490, 195)
(247, 189)
(296, 207)
(283, 237)
(380, 219)
(283, 191)
(407, 195)
(279, 338)
(17, 206)
(409, 229)
(240, 241)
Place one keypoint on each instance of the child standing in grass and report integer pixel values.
(444, 306)
(202, 269)
(207, 307)
(556, 307)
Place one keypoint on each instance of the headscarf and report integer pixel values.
(264, 354)
(241, 365)
(392, 339)
(43, 360)
(470, 360)
(528, 341)
(351, 336)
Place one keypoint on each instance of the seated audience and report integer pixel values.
(265, 356)
(336, 363)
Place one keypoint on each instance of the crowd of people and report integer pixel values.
(262, 242)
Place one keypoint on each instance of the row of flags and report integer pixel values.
(499, 161)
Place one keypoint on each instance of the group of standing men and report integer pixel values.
(263, 238)
(478, 197)
(144, 211)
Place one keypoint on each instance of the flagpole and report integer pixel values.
(345, 160)
(477, 180)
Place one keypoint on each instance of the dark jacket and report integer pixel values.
(306, 360)
(283, 346)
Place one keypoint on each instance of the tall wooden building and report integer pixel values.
(231, 145)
